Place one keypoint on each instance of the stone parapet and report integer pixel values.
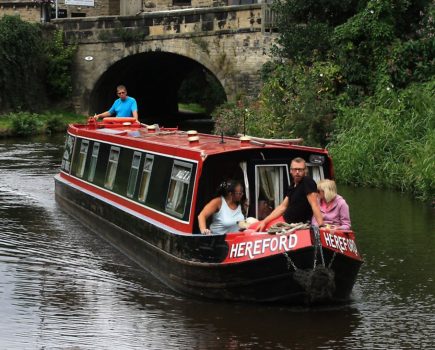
(150, 25)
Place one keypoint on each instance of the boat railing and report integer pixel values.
(272, 141)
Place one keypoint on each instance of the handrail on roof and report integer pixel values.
(274, 141)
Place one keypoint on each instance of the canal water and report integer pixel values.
(61, 287)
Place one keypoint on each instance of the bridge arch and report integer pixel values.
(154, 79)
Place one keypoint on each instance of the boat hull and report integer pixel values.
(194, 264)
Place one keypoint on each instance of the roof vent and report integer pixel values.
(245, 140)
(151, 128)
(193, 139)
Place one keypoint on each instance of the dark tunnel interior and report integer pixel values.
(153, 79)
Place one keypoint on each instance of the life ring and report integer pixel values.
(119, 120)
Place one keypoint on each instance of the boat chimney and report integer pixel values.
(192, 133)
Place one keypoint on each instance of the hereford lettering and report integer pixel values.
(341, 243)
(258, 247)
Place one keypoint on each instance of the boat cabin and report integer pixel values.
(168, 175)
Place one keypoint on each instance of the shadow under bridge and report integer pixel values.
(159, 81)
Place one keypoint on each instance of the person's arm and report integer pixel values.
(276, 213)
(312, 199)
(135, 115)
(103, 115)
(210, 208)
(134, 108)
(344, 217)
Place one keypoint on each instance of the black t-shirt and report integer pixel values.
(299, 209)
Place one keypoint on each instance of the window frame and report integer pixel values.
(311, 167)
(284, 172)
(93, 161)
(68, 152)
(185, 192)
(134, 174)
(83, 156)
(143, 188)
(112, 167)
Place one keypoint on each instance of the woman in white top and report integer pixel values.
(225, 209)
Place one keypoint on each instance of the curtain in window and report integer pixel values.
(269, 183)
(244, 167)
(177, 196)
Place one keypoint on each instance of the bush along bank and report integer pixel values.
(27, 124)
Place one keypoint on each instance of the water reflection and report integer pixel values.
(62, 287)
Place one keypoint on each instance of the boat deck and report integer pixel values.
(204, 144)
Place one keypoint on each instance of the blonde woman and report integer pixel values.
(333, 207)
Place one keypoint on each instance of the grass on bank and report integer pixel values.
(191, 107)
(26, 123)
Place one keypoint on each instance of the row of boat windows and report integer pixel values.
(139, 179)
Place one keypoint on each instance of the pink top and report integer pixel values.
(336, 213)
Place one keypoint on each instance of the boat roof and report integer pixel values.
(143, 136)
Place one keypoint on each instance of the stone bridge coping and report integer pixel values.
(164, 13)
(165, 24)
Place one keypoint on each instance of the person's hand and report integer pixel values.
(261, 226)
(206, 232)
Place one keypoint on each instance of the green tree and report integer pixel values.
(35, 66)
(21, 65)
(59, 56)
(306, 26)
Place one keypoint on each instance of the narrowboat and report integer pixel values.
(141, 188)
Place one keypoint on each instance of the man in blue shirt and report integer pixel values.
(125, 106)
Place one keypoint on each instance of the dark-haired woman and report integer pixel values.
(225, 209)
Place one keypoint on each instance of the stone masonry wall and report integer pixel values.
(27, 11)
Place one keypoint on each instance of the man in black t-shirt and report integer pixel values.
(300, 203)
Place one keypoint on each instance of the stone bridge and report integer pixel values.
(152, 53)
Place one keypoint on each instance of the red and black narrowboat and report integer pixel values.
(142, 187)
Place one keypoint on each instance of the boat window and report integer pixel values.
(270, 182)
(67, 154)
(94, 158)
(134, 172)
(315, 171)
(146, 175)
(178, 188)
(82, 157)
(111, 168)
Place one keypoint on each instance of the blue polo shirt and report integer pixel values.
(124, 108)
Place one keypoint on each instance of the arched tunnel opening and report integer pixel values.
(160, 82)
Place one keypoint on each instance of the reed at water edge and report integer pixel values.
(389, 142)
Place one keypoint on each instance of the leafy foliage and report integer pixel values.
(21, 65)
(35, 67)
(59, 66)
(306, 26)
(24, 123)
(388, 141)
(230, 118)
(296, 101)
